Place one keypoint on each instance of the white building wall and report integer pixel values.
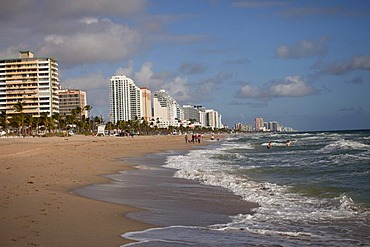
(125, 99)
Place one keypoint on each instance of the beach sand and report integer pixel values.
(38, 175)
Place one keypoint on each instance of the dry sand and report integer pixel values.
(37, 205)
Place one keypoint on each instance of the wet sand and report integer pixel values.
(167, 200)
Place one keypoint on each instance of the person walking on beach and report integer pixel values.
(186, 138)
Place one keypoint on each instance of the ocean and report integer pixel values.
(315, 192)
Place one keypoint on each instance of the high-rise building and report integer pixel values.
(166, 109)
(125, 99)
(213, 119)
(70, 99)
(190, 113)
(33, 81)
(258, 123)
(146, 104)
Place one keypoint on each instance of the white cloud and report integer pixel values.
(144, 75)
(291, 86)
(127, 71)
(249, 91)
(94, 42)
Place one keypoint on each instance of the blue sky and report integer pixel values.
(305, 64)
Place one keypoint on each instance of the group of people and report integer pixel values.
(288, 144)
(194, 138)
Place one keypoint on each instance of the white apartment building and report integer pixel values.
(212, 119)
(166, 109)
(70, 99)
(33, 81)
(125, 99)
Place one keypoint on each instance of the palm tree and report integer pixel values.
(19, 107)
(3, 119)
(88, 108)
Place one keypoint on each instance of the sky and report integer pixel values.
(305, 64)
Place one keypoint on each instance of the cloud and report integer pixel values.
(239, 61)
(258, 4)
(97, 40)
(25, 9)
(297, 12)
(291, 86)
(192, 68)
(204, 91)
(361, 62)
(86, 82)
(357, 80)
(304, 48)
(206, 51)
(178, 87)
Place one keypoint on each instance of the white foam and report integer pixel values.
(277, 203)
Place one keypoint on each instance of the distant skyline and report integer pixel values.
(305, 64)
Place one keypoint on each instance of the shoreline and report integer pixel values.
(39, 175)
(167, 200)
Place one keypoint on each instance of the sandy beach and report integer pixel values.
(38, 175)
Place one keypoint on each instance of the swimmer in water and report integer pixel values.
(269, 145)
(288, 143)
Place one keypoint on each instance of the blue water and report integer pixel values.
(315, 192)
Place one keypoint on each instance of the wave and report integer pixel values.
(343, 145)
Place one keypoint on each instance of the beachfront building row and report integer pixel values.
(271, 126)
(34, 82)
(130, 102)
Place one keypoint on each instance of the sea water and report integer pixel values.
(315, 192)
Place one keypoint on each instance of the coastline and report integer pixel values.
(39, 175)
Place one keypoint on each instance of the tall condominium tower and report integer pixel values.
(33, 81)
(146, 104)
(125, 99)
(258, 123)
(70, 99)
(213, 119)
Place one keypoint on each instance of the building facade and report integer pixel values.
(125, 99)
(146, 104)
(166, 109)
(258, 124)
(70, 99)
(33, 81)
(212, 119)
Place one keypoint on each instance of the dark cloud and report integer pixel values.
(192, 68)
(239, 61)
(357, 80)
(299, 12)
(361, 62)
(258, 4)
